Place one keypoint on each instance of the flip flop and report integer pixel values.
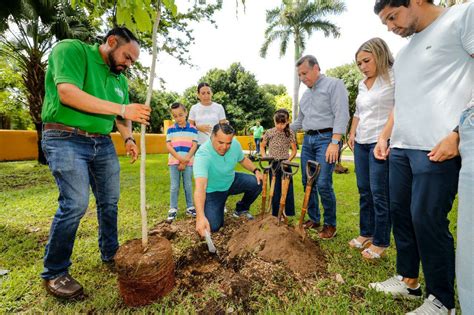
(354, 243)
(373, 256)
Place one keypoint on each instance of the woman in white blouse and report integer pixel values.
(205, 114)
(374, 105)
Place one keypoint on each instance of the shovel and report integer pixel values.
(288, 169)
(210, 244)
(274, 167)
(312, 172)
(266, 175)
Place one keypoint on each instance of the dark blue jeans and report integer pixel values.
(372, 181)
(314, 148)
(215, 201)
(421, 195)
(257, 144)
(290, 198)
(77, 163)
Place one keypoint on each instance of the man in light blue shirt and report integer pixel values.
(323, 115)
(216, 179)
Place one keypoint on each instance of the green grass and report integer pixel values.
(28, 200)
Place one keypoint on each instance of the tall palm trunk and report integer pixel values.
(33, 80)
(296, 82)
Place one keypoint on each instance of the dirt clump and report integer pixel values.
(145, 276)
(277, 243)
(254, 259)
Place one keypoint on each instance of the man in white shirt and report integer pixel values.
(434, 75)
(464, 249)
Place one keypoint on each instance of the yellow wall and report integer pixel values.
(18, 145)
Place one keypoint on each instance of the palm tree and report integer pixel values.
(299, 19)
(450, 3)
(28, 30)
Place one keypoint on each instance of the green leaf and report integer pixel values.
(142, 19)
(170, 5)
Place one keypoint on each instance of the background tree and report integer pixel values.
(13, 104)
(298, 19)
(350, 74)
(29, 28)
(450, 3)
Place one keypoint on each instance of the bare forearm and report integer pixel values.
(387, 130)
(200, 196)
(124, 127)
(247, 164)
(355, 123)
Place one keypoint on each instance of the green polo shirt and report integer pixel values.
(218, 169)
(72, 61)
(257, 132)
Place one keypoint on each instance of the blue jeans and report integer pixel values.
(76, 163)
(314, 148)
(421, 195)
(465, 252)
(215, 201)
(175, 180)
(372, 181)
(257, 144)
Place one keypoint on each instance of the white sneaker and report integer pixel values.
(396, 287)
(225, 209)
(432, 306)
(172, 213)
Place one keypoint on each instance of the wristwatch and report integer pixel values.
(334, 141)
(130, 139)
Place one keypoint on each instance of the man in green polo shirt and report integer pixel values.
(216, 179)
(85, 92)
(257, 131)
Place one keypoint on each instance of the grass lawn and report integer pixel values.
(28, 200)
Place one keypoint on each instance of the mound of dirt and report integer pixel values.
(252, 256)
(277, 243)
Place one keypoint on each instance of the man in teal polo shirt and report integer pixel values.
(85, 92)
(216, 179)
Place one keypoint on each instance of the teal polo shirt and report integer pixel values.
(72, 61)
(218, 169)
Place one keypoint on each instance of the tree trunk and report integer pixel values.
(34, 83)
(296, 82)
(39, 132)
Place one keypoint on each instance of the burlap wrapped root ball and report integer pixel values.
(144, 277)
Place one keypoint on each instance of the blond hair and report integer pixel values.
(382, 55)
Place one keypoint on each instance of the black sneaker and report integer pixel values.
(64, 286)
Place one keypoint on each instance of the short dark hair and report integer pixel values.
(381, 4)
(311, 61)
(178, 105)
(202, 84)
(122, 32)
(226, 129)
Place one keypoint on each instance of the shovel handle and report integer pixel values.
(312, 170)
(293, 168)
(268, 159)
(304, 208)
(264, 194)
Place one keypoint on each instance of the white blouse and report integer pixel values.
(373, 108)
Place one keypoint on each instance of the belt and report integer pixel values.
(56, 126)
(316, 132)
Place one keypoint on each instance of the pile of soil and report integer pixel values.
(252, 256)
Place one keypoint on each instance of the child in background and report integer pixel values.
(181, 142)
(280, 140)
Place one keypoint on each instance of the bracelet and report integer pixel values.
(255, 170)
(122, 112)
(131, 139)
